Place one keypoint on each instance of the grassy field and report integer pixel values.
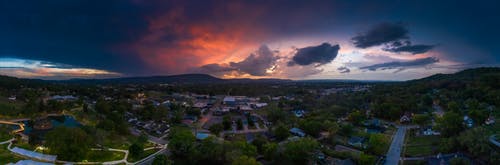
(6, 156)
(103, 156)
(10, 109)
(421, 145)
(144, 155)
(5, 132)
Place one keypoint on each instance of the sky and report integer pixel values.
(308, 39)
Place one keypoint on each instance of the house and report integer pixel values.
(428, 132)
(297, 132)
(299, 113)
(336, 161)
(63, 98)
(12, 98)
(406, 118)
(468, 121)
(490, 120)
(229, 100)
(357, 141)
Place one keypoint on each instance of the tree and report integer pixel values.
(331, 127)
(275, 115)
(377, 144)
(476, 142)
(181, 142)
(136, 150)
(477, 115)
(366, 159)
(161, 160)
(239, 124)
(216, 129)
(453, 106)
(245, 160)
(270, 151)
(421, 119)
(259, 142)
(450, 124)
(346, 129)
(70, 144)
(459, 161)
(356, 117)
(281, 132)
(312, 127)
(300, 151)
(226, 121)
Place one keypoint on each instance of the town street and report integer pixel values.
(394, 153)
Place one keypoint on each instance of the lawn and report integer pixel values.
(6, 156)
(10, 109)
(144, 155)
(421, 145)
(5, 132)
(103, 156)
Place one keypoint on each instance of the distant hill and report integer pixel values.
(486, 76)
(178, 79)
(489, 75)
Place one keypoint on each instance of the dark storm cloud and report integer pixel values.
(381, 34)
(413, 49)
(343, 69)
(79, 32)
(257, 63)
(319, 55)
(394, 36)
(421, 62)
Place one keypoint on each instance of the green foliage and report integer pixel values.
(216, 129)
(346, 129)
(245, 160)
(259, 142)
(239, 124)
(459, 161)
(226, 122)
(71, 144)
(300, 151)
(377, 143)
(281, 132)
(136, 150)
(356, 117)
(311, 127)
(476, 142)
(450, 124)
(161, 160)
(181, 142)
(421, 119)
(365, 159)
(270, 151)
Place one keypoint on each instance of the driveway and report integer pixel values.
(394, 153)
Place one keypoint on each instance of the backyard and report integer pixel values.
(421, 145)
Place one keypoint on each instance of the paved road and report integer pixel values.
(393, 156)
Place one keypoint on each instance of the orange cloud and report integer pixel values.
(175, 43)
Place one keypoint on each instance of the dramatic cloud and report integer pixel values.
(401, 65)
(48, 70)
(394, 36)
(343, 69)
(319, 55)
(413, 49)
(258, 63)
(381, 34)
